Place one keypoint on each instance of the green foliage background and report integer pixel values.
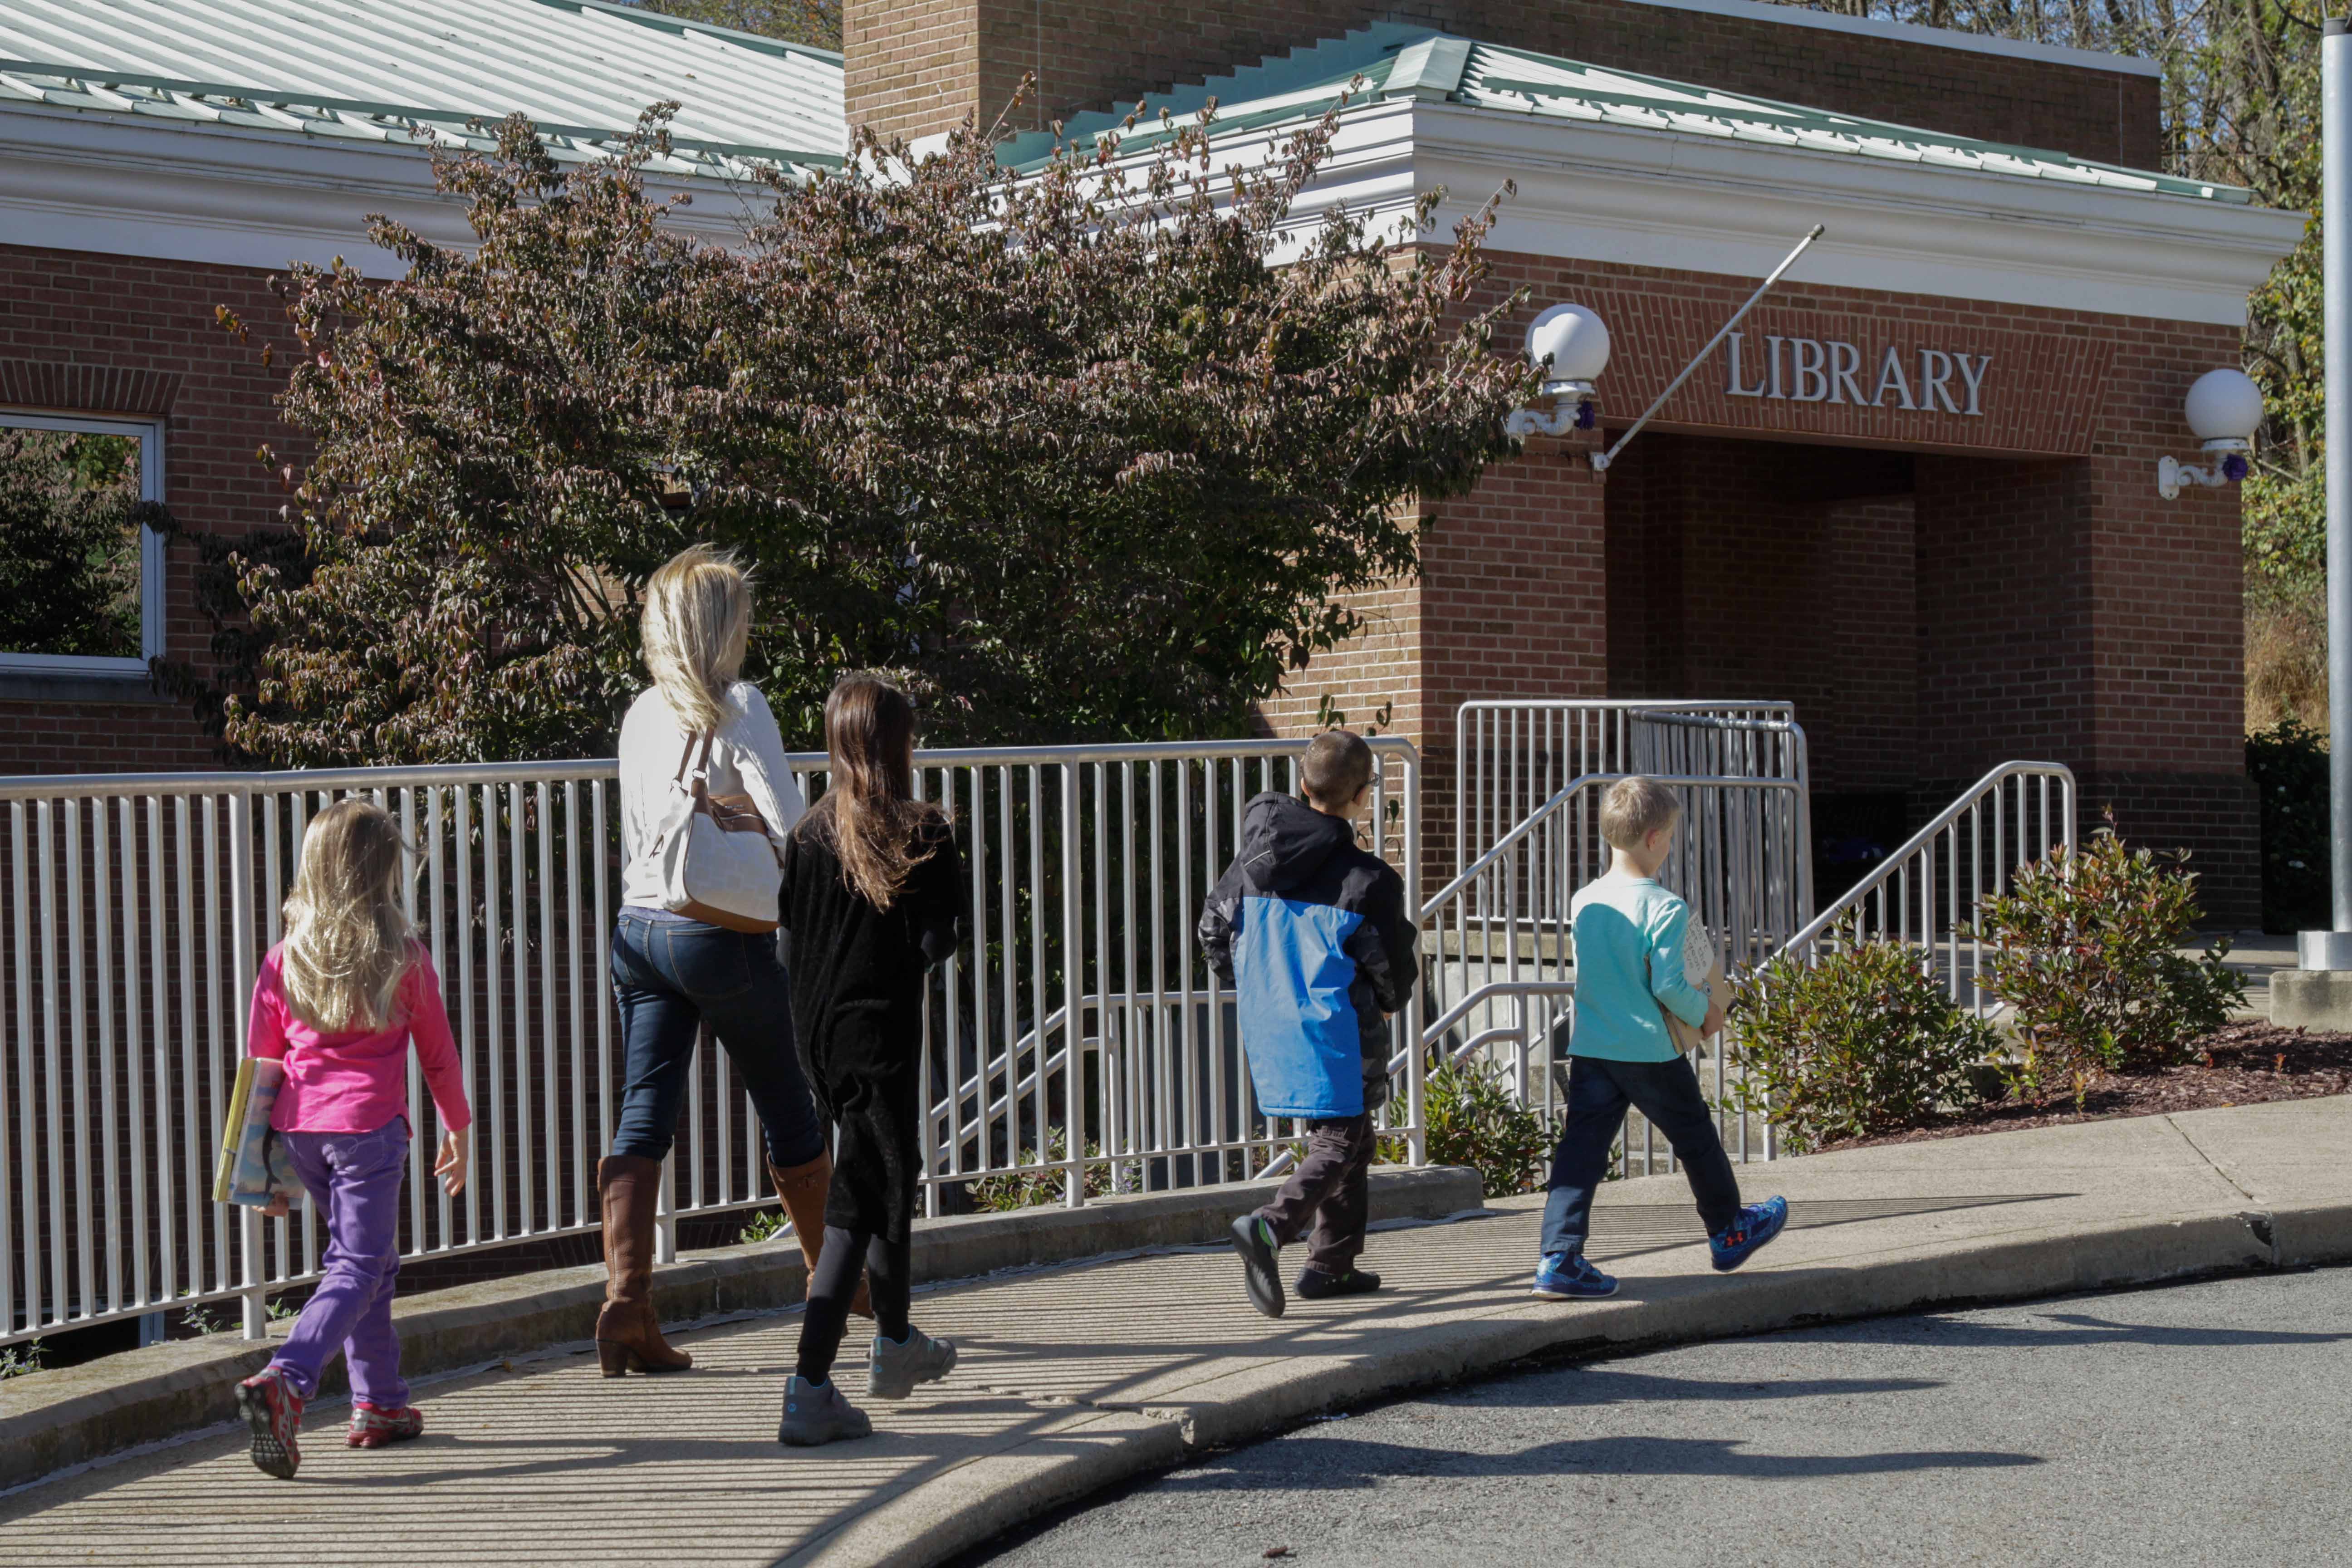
(1059, 449)
(69, 543)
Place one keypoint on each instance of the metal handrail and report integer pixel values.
(1566, 794)
(50, 786)
(134, 909)
(1969, 799)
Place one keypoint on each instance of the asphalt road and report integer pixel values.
(2200, 1424)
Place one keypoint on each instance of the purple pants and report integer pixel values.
(354, 1178)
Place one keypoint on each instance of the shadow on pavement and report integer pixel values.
(1626, 1230)
(1601, 1383)
(1340, 1463)
(2079, 1329)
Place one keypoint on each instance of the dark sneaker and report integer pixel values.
(273, 1412)
(373, 1425)
(1570, 1276)
(1314, 1285)
(1254, 1239)
(897, 1367)
(819, 1415)
(1756, 1223)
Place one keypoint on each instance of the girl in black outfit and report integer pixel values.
(871, 889)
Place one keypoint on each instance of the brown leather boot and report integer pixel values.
(803, 1188)
(628, 1335)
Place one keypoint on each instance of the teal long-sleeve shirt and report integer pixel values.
(1629, 963)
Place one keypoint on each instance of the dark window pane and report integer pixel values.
(69, 542)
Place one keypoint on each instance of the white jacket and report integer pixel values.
(747, 758)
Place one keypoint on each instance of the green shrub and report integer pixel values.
(20, 1361)
(1861, 1042)
(1475, 1119)
(2084, 950)
(1010, 1190)
(766, 1226)
(2288, 765)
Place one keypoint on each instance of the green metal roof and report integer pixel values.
(1391, 60)
(419, 70)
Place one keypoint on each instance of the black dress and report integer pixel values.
(857, 1011)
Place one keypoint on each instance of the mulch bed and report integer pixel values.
(2241, 1064)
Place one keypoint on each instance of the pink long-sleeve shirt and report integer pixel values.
(354, 1081)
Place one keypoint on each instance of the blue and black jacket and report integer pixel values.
(1312, 934)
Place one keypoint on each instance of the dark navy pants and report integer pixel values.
(1667, 1093)
(672, 976)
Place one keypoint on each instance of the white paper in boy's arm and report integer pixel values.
(1670, 974)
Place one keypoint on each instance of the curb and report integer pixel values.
(974, 1502)
(50, 1421)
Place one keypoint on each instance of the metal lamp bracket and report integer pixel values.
(2171, 474)
(1571, 409)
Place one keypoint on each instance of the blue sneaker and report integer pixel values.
(1570, 1276)
(1756, 1223)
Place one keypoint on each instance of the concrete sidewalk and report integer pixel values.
(1076, 1376)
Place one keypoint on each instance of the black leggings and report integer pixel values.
(887, 1281)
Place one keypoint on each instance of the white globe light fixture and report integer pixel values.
(1570, 344)
(2224, 408)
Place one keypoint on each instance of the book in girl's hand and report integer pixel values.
(255, 1168)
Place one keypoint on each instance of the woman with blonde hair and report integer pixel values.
(339, 1003)
(699, 743)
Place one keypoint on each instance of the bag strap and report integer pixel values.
(702, 764)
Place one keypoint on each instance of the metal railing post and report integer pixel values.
(1074, 960)
(1416, 1005)
(244, 963)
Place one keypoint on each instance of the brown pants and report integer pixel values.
(1332, 1187)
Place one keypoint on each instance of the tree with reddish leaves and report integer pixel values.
(1086, 449)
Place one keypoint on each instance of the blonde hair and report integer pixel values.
(696, 628)
(1635, 809)
(348, 942)
(869, 734)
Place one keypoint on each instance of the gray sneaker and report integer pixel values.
(897, 1367)
(817, 1414)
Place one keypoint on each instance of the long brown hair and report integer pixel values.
(348, 942)
(869, 729)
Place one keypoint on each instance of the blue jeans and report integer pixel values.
(670, 978)
(1667, 1093)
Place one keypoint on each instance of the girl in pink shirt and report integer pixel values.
(339, 1002)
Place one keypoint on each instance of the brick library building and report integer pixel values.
(1917, 494)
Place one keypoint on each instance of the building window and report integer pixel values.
(81, 579)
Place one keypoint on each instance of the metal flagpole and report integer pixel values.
(1600, 460)
(2333, 949)
(2335, 204)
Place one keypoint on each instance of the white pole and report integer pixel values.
(2335, 199)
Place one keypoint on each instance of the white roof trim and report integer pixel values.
(1912, 33)
(1593, 192)
(187, 190)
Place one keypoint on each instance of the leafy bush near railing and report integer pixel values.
(2288, 765)
(1861, 1041)
(1010, 1190)
(2083, 950)
(1475, 1121)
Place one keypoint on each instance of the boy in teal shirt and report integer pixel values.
(1629, 934)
